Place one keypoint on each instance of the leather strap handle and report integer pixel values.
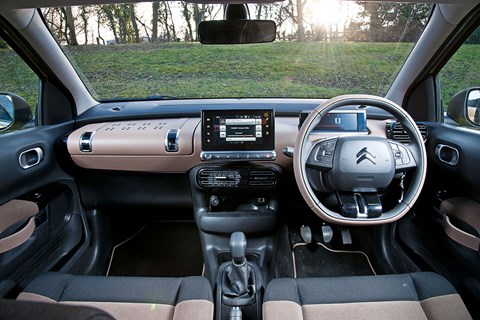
(19, 237)
(14, 212)
(462, 237)
(467, 211)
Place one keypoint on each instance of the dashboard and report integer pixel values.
(251, 130)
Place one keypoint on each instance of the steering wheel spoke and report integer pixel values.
(321, 156)
(359, 205)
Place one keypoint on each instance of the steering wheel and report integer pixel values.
(358, 167)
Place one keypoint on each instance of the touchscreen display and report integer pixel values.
(238, 130)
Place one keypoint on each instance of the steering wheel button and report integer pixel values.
(398, 154)
(398, 162)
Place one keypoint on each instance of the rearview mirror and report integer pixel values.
(14, 112)
(236, 31)
(464, 108)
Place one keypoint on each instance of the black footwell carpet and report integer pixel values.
(316, 261)
(160, 249)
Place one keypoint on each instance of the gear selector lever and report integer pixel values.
(239, 273)
(238, 247)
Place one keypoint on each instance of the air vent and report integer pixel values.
(211, 178)
(262, 178)
(396, 132)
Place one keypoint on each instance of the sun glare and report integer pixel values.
(329, 13)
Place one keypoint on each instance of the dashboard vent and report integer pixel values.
(211, 178)
(262, 178)
(396, 132)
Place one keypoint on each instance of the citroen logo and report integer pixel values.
(365, 154)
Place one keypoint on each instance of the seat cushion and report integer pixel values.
(422, 295)
(127, 297)
(28, 310)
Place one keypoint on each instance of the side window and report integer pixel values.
(18, 91)
(458, 80)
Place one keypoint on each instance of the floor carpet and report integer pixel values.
(160, 249)
(317, 261)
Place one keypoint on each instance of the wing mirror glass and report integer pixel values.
(6, 112)
(15, 112)
(473, 106)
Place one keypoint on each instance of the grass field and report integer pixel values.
(278, 69)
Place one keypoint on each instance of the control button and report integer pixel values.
(328, 160)
(398, 162)
(405, 157)
(398, 154)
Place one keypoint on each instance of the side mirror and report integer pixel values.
(464, 108)
(14, 112)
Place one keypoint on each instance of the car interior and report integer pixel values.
(350, 205)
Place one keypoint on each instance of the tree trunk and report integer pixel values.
(133, 19)
(174, 32)
(188, 17)
(84, 14)
(155, 8)
(72, 37)
(300, 26)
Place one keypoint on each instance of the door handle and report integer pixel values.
(30, 158)
(447, 154)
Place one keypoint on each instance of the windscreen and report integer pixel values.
(323, 48)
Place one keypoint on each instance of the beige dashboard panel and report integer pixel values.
(136, 146)
(144, 137)
(140, 145)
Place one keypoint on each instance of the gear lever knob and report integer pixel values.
(238, 247)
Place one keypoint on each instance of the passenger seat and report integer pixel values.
(127, 297)
(413, 296)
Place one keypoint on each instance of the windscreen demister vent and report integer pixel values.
(262, 178)
(396, 132)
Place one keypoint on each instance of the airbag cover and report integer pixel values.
(361, 164)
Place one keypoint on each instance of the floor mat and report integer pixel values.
(168, 249)
(317, 260)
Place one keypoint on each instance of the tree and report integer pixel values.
(295, 12)
(393, 22)
(84, 15)
(133, 20)
(108, 10)
(155, 8)
(187, 15)
(70, 23)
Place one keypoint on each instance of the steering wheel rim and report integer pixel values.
(303, 146)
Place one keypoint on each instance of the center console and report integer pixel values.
(235, 191)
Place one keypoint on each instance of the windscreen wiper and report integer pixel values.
(161, 97)
(147, 98)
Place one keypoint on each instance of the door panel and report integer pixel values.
(60, 229)
(450, 192)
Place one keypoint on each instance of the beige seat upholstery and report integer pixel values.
(411, 296)
(127, 297)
